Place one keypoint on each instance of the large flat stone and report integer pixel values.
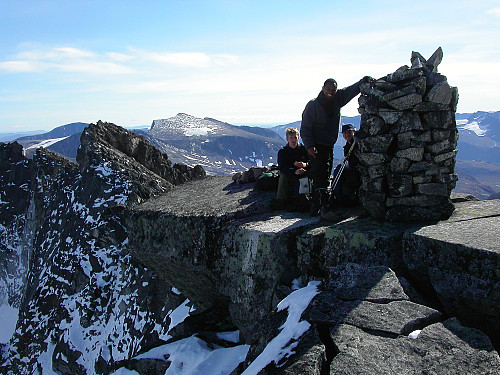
(441, 348)
(459, 259)
(365, 241)
(218, 243)
(393, 318)
(212, 196)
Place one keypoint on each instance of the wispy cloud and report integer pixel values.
(56, 53)
(19, 66)
(70, 59)
(495, 12)
(119, 56)
(64, 59)
(185, 59)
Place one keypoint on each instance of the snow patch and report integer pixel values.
(414, 335)
(283, 344)
(233, 336)
(193, 356)
(178, 315)
(45, 359)
(472, 126)
(197, 131)
(46, 143)
(8, 322)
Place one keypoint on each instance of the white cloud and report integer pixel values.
(17, 66)
(119, 56)
(72, 53)
(56, 53)
(64, 59)
(495, 12)
(186, 59)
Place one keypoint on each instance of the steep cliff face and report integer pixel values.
(83, 303)
(16, 232)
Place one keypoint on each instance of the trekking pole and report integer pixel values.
(341, 169)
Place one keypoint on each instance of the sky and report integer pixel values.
(243, 62)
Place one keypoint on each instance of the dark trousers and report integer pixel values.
(287, 186)
(321, 167)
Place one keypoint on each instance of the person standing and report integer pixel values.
(319, 129)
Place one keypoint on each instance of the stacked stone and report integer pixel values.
(407, 143)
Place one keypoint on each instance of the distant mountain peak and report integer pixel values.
(185, 125)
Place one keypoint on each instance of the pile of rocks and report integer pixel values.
(407, 143)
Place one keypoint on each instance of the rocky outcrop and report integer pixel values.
(369, 325)
(105, 145)
(407, 143)
(83, 303)
(250, 261)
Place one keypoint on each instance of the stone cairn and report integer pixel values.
(407, 143)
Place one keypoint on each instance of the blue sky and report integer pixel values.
(243, 62)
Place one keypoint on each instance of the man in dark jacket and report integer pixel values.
(293, 164)
(319, 130)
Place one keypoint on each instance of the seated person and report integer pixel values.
(346, 193)
(293, 164)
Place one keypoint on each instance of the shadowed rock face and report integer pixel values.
(117, 148)
(64, 266)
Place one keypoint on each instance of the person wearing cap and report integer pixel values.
(347, 189)
(348, 131)
(319, 130)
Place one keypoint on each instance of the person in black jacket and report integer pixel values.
(347, 190)
(319, 129)
(293, 162)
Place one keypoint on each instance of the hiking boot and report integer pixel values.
(302, 203)
(314, 208)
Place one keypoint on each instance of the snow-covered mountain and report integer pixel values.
(479, 136)
(220, 148)
(484, 124)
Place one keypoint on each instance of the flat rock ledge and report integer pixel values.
(219, 244)
(378, 330)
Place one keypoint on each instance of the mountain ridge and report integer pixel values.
(222, 148)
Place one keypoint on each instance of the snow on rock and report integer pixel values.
(9, 316)
(46, 143)
(185, 125)
(283, 344)
(192, 356)
(86, 303)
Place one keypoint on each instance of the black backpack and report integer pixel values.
(268, 181)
